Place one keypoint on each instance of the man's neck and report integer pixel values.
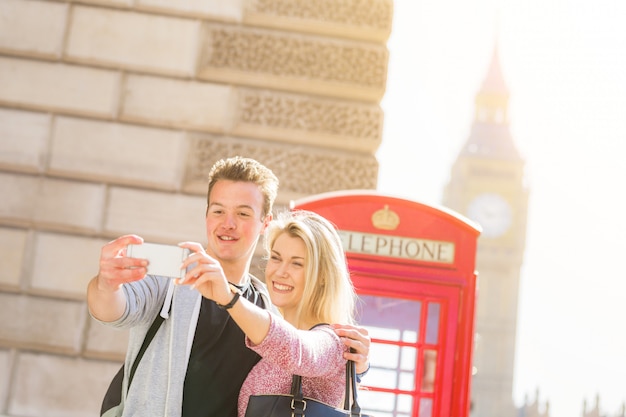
(236, 274)
(237, 271)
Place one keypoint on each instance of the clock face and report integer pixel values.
(492, 212)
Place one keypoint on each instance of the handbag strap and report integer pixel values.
(350, 394)
(146, 341)
(355, 409)
(298, 404)
(351, 389)
(347, 397)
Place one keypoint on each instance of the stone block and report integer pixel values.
(58, 87)
(64, 264)
(12, 255)
(105, 342)
(156, 216)
(358, 19)
(231, 10)
(114, 3)
(70, 205)
(118, 153)
(307, 64)
(176, 103)
(302, 170)
(58, 204)
(41, 323)
(51, 385)
(5, 376)
(18, 193)
(301, 119)
(23, 139)
(32, 27)
(138, 41)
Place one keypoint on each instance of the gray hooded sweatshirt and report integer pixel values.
(157, 387)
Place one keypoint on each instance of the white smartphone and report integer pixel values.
(164, 260)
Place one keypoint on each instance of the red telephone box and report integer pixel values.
(413, 267)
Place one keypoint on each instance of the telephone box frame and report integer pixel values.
(371, 219)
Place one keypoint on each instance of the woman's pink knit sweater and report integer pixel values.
(316, 355)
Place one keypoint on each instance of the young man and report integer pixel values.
(196, 363)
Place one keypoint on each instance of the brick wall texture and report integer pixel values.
(111, 114)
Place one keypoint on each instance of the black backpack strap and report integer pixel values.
(146, 341)
(113, 396)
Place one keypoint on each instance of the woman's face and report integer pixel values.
(285, 273)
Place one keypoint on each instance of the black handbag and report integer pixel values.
(296, 405)
(113, 397)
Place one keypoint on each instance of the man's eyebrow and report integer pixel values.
(241, 206)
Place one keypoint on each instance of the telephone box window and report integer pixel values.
(404, 352)
(426, 408)
(432, 323)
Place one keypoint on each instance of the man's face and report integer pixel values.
(233, 220)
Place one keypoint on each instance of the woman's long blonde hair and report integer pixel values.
(329, 295)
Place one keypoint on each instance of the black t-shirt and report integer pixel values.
(219, 362)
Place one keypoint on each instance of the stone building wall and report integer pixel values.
(111, 113)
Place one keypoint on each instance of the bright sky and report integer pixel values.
(565, 64)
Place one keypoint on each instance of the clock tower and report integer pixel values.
(487, 185)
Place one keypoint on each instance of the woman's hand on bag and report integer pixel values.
(357, 338)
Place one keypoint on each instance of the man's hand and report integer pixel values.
(357, 338)
(205, 274)
(116, 268)
(105, 297)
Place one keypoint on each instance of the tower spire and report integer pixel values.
(490, 136)
(494, 83)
